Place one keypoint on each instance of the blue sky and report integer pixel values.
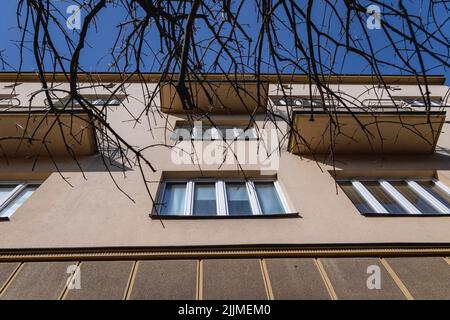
(95, 56)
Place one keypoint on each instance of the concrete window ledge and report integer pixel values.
(262, 216)
(405, 215)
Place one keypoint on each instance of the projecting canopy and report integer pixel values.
(402, 132)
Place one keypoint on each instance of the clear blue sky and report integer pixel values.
(95, 56)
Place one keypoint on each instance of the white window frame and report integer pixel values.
(397, 196)
(13, 194)
(442, 186)
(221, 196)
(192, 193)
(368, 197)
(163, 191)
(438, 205)
(97, 101)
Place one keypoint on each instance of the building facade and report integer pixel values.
(292, 202)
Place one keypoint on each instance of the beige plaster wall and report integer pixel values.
(92, 212)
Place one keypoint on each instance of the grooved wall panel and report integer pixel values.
(425, 277)
(102, 280)
(165, 279)
(233, 279)
(349, 277)
(39, 280)
(296, 278)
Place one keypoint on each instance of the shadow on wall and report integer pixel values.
(94, 163)
(437, 161)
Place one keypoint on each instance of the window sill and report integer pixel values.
(404, 215)
(262, 216)
(213, 140)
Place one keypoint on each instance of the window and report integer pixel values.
(316, 102)
(204, 199)
(8, 101)
(268, 198)
(211, 197)
(398, 196)
(104, 101)
(13, 195)
(299, 101)
(421, 102)
(94, 100)
(174, 199)
(238, 201)
(204, 132)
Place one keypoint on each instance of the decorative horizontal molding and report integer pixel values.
(273, 78)
(79, 254)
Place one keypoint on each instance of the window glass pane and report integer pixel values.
(5, 190)
(237, 199)
(436, 192)
(413, 197)
(97, 102)
(268, 198)
(383, 197)
(204, 199)
(174, 198)
(355, 197)
(114, 102)
(18, 201)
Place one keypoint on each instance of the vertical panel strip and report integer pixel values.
(131, 280)
(199, 280)
(447, 259)
(325, 279)
(396, 279)
(266, 278)
(11, 278)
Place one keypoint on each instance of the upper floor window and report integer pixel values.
(96, 100)
(208, 132)
(421, 102)
(299, 101)
(211, 197)
(317, 102)
(398, 196)
(13, 195)
(8, 101)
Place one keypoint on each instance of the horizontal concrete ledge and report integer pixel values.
(256, 216)
(406, 215)
(262, 251)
